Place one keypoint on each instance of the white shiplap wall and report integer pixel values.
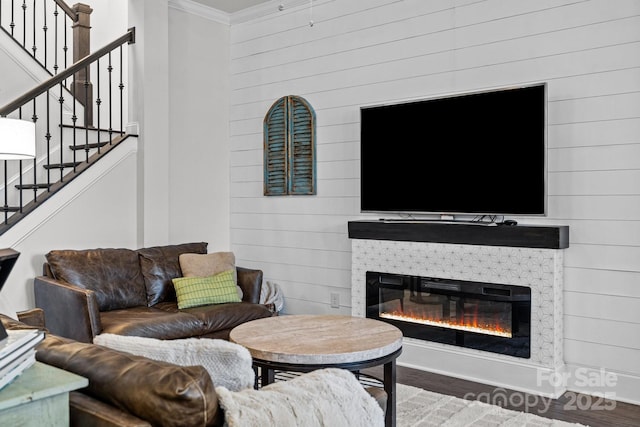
(362, 52)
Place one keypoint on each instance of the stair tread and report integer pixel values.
(32, 186)
(92, 145)
(9, 209)
(62, 165)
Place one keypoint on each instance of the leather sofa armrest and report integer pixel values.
(89, 412)
(11, 323)
(159, 392)
(33, 317)
(70, 311)
(250, 281)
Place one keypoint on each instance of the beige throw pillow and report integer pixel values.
(203, 265)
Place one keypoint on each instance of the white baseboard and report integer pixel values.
(594, 381)
(483, 368)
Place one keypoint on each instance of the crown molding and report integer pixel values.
(201, 10)
(268, 8)
(271, 7)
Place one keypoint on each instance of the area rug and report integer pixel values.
(416, 407)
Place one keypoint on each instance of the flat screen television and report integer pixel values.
(479, 153)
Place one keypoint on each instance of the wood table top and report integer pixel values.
(317, 339)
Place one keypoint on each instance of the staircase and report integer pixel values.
(73, 130)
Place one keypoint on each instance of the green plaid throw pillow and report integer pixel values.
(196, 291)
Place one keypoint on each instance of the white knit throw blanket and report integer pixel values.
(228, 364)
(323, 398)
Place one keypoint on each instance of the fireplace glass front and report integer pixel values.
(483, 316)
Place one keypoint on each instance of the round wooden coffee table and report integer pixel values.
(304, 343)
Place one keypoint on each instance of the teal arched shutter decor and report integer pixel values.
(302, 150)
(289, 148)
(275, 150)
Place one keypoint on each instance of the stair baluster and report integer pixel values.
(37, 176)
(37, 15)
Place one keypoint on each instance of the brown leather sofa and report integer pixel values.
(131, 391)
(129, 292)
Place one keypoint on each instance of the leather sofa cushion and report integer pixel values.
(165, 321)
(227, 316)
(159, 392)
(113, 274)
(160, 264)
(151, 322)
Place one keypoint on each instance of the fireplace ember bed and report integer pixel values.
(483, 316)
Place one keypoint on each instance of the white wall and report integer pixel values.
(179, 83)
(149, 110)
(97, 209)
(110, 20)
(372, 51)
(199, 121)
(15, 68)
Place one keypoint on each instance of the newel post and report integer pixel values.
(82, 87)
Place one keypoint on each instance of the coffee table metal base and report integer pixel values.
(268, 368)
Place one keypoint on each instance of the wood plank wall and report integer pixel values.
(363, 52)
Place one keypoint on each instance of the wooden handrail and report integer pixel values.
(129, 37)
(67, 9)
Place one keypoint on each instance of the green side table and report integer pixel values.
(39, 397)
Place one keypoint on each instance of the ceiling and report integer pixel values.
(231, 6)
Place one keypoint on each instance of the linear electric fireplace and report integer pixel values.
(438, 260)
(483, 316)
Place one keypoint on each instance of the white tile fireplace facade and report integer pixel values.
(539, 269)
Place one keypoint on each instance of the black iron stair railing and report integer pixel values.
(28, 22)
(46, 29)
(65, 133)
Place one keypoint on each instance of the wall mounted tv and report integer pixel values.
(480, 153)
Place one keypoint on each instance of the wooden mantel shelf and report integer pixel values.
(526, 236)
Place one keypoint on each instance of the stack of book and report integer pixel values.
(17, 353)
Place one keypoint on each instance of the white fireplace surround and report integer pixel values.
(539, 269)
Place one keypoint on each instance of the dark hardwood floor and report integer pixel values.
(601, 413)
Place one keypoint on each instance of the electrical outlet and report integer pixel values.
(335, 300)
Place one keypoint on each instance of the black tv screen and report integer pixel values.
(481, 153)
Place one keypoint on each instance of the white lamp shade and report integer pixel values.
(17, 139)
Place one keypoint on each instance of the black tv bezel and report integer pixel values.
(448, 214)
